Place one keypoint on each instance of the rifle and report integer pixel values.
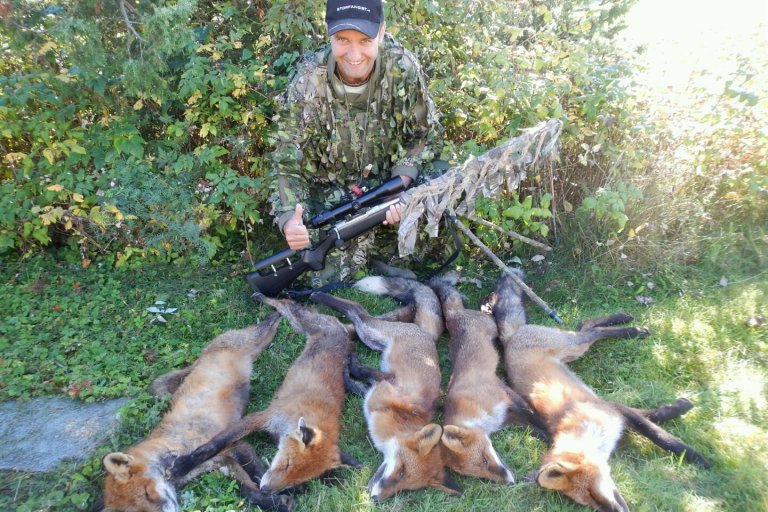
(347, 221)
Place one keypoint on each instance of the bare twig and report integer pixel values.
(512, 234)
(531, 294)
(128, 22)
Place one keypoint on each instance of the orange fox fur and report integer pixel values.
(400, 408)
(305, 412)
(584, 429)
(478, 403)
(207, 397)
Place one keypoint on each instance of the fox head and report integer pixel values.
(411, 463)
(469, 451)
(130, 486)
(585, 482)
(305, 453)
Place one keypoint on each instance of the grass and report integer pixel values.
(87, 333)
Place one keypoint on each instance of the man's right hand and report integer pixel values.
(295, 231)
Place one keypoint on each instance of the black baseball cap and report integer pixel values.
(364, 16)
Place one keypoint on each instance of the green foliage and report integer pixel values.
(609, 206)
(142, 132)
(152, 147)
(527, 217)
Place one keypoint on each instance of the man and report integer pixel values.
(356, 113)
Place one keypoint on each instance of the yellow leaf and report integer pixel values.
(68, 225)
(13, 157)
(138, 105)
(55, 188)
(50, 45)
(75, 147)
(568, 207)
(216, 56)
(195, 96)
(204, 130)
(238, 44)
(78, 198)
(48, 154)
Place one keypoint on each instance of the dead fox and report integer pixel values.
(400, 408)
(478, 403)
(584, 429)
(208, 396)
(305, 412)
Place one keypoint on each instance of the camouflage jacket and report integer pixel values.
(328, 139)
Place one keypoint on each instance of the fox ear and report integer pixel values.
(447, 484)
(454, 437)
(552, 476)
(117, 464)
(304, 433)
(427, 438)
(350, 461)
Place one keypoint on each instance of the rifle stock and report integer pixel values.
(274, 274)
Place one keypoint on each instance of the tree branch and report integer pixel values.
(530, 293)
(516, 236)
(127, 20)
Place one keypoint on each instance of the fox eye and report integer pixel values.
(485, 462)
(401, 475)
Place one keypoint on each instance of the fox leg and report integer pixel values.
(666, 412)
(661, 437)
(247, 469)
(520, 413)
(300, 318)
(246, 458)
(402, 314)
(366, 326)
(575, 344)
(603, 321)
(354, 372)
(221, 441)
(169, 382)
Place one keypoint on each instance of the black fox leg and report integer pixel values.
(667, 412)
(244, 454)
(661, 437)
(363, 321)
(603, 321)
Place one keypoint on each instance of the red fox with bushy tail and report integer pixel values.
(584, 429)
(207, 397)
(399, 407)
(478, 403)
(304, 415)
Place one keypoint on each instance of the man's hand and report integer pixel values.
(393, 214)
(295, 231)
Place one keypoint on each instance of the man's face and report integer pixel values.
(355, 54)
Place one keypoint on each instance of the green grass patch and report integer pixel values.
(87, 333)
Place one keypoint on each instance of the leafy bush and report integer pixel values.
(143, 134)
